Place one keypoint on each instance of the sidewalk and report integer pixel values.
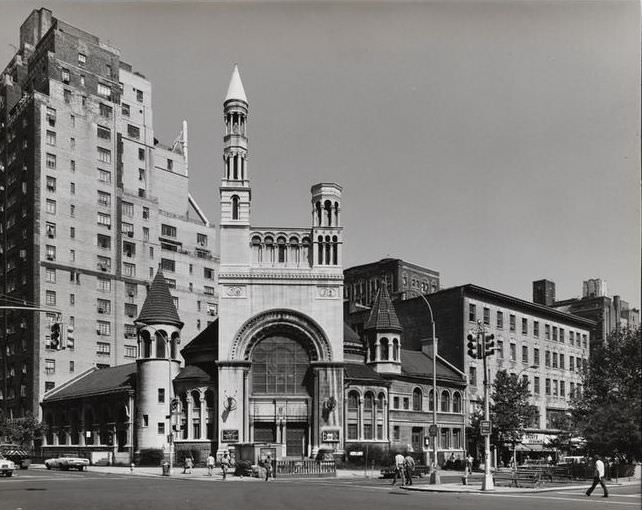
(476, 488)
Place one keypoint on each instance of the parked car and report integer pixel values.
(20, 457)
(66, 463)
(7, 466)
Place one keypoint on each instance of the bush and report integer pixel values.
(243, 468)
(151, 457)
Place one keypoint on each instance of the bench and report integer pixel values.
(519, 478)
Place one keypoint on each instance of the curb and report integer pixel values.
(461, 490)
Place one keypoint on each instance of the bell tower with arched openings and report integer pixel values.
(235, 192)
(327, 231)
(159, 328)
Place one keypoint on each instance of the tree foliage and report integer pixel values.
(607, 414)
(21, 431)
(510, 409)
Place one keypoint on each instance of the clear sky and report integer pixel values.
(495, 142)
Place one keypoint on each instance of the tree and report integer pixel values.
(21, 431)
(607, 414)
(510, 409)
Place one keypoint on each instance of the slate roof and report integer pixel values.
(203, 346)
(419, 364)
(362, 372)
(192, 372)
(383, 316)
(99, 381)
(350, 337)
(158, 307)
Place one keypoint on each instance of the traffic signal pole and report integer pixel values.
(487, 483)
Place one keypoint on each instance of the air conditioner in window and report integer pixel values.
(101, 310)
(50, 257)
(130, 234)
(130, 315)
(201, 243)
(131, 293)
(98, 332)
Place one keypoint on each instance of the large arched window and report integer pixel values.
(456, 402)
(235, 207)
(368, 416)
(445, 402)
(353, 415)
(416, 399)
(279, 366)
(431, 400)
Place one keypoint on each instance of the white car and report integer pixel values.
(6, 466)
(66, 463)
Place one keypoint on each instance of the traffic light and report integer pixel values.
(54, 338)
(473, 346)
(489, 345)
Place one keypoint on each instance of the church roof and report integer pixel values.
(235, 89)
(158, 307)
(97, 381)
(362, 372)
(204, 346)
(350, 336)
(419, 364)
(383, 315)
(193, 373)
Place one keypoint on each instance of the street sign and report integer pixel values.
(356, 454)
(433, 430)
(485, 427)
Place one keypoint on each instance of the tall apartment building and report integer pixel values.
(92, 205)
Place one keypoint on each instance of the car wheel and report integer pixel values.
(48, 466)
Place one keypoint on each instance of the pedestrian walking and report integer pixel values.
(469, 463)
(210, 464)
(409, 467)
(399, 460)
(598, 477)
(268, 467)
(189, 464)
(225, 464)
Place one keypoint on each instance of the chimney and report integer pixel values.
(34, 27)
(544, 292)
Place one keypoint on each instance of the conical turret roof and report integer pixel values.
(158, 307)
(383, 316)
(235, 89)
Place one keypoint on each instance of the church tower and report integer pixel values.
(235, 192)
(383, 333)
(158, 364)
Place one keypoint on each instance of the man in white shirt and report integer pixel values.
(399, 469)
(598, 477)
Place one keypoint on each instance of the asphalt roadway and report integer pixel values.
(68, 490)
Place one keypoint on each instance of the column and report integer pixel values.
(130, 424)
(81, 432)
(203, 416)
(190, 405)
(377, 350)
(360, 418)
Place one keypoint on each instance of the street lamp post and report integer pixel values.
(170, 436)
(434, 474)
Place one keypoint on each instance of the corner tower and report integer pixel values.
(235, 192)
(158, 333)
(383, 333)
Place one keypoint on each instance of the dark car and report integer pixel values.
(20, 457)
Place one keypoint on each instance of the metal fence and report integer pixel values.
(305, 469)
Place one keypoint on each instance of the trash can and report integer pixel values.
(165, 466)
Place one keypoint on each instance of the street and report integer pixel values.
(49, 490)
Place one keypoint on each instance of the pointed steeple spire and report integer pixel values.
(158, 307)
(235, 89)
(383, 316)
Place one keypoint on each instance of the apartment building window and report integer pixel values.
(82, 58)
(133, 131)
(50, 206)
(104, 176)
(524, 326)
(65, 75)
(584, 340)
(547, 331)
(51, 116)
(209, 291)
(561, 335)
(512, 322)
(72, 255)
(51, 230)
(141, 154)
(175, 300)
(104, 199)
(524, 354)
(131, 351)
(571, 337)
(212, 309)
(171, 283)
(104, 219)
(500, 319)
(168, 230)
(104, 91)
(571, 389)
(128, 209)
(145, 234)
(472, 376)
(103, 284)
(72, 367)
(129, 269)
(124, 109)
(51, 184)
(72, 143)
(129, 249)
(67, 95)
(50, 275)
(486, 312)
(51, 161)
(51, 138)
(472, 312)
(104, 155)
(554, 360)
(562, 361)
(145, 213)
(578, 390)
(547, 359)
(562, 389)
(72, 119)
(104, 133)
(139, 95)
(536, 385)
(82, 80)
(578, 364)
(103, 263)
(103, 348)
(103, 306)
(50, 297)
(201, 239)
(513, 352)
(72, 210)
(168, 265)
(51, 252)
(547, 387)
(72, 188)
(161, 395)
(536, 356)
(555, 388)
(50, 366)
(72, 299)
(536, 329)
(103, 328)
(554, 333)
(500, 349)
(208, 273)
(131, 310)
(170, 164)
(127, 228)
(72, 165)
(105, 110)
(571, 363)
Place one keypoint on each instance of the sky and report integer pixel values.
(495, 142)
